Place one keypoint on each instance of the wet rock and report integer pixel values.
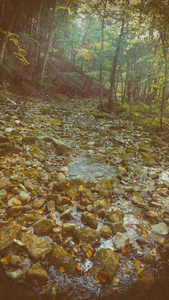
(149, 259)
(69, 188)
(15, 211)
(43, 226)
(4, 182)
(89, 219)
(101, 203)
(37, 273)
(89, 208)
(146, 283)
(121, 240)
(144, 147)
(8, 234)
(150, 161)
(60, 177)
(87, 235)
(160, 228)
(38, 203)
(103, 187)
(24, 197)
(57, 198)
(3, 195)
(105, 260)
(115, 182)
(66, 228)
(106, 232)
(51, 206)
(60, 258)
(116, 227)
(121, 171)
(14, 201)
(36, 246)
(62, 147)
(29, 185)
(15, 179)
(14, 275)
(84, 201)
(115, 216)
(138, 200)
(166, 183)
(29, 218)
(67, 214)
(15, 260)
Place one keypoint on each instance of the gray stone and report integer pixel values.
(51, 206)
(160, 228)
(8, 234)
(87, 235)
(60, 177)
(36, 246)
(4, 182)
(67, 214)
(121, 240)
(115, 216)
(101, 203)
(24, 197)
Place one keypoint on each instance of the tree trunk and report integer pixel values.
(9, 27)
(114, 67)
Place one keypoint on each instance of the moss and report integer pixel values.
(60, 258)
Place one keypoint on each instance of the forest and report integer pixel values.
(84, 139)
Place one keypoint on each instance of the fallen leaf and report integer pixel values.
(66, 259)
(89, 253)
(78, 268)
(102, 276)
(68, 184)
(153, 213)
(135, 216)
(141, 273)
(137, 262)
(123, 250)
(5, 260)
(116, 279)
(62, 269)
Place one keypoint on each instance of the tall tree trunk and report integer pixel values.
(9, 27)
(114, 67)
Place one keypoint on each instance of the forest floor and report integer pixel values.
(84, 204)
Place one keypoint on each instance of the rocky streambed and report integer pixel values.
(83, 205)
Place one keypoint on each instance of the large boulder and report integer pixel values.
(43, 226)
(60, 258)
(8, 234)
(89, 219)
(36, 246)
(87, 235)
(105, 260)
(37, 273)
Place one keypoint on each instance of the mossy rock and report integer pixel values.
(103, 187)
(150, 161)
(69, 188)
(87, 235)
(60, 258)
(32, 173)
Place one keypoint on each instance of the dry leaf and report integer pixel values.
(137, 262)
(78, 268)
(89, 253)
(62, 269)
(102, 276)
(5, 260)
(123, 250)
(141, 273)
(153, 213)
(66, 259)
(68, 184)
(135, 216)
(116, 279)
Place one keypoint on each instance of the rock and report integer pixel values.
(144, 147)
(15, 179)
(89, 219)
(66, 228)
(105, 232)
(101, 203)
(121, 171)
(24, 197)
(69, 188)
(67, 214)
(60, 177)
(14, 275)
(51, 206)
(103, 187)
(38, 203)
(43, 226)
(29, 218)
(14, 211)
(62, 147)
(146, 283)
(105, 260)
(36, 246)
(15, 260)
(166, 183)
(121, 240)
(8, 234)
(84, 201)
(138, 200)
(37, 273)
(60, 258)
(57, 198)
(4, 182)
(29, 185)
(3, 195)
(116, 227)
(14, 201)
(149, 259)
(160, 228)
(115, 216)
(87, 235)
(150, 161)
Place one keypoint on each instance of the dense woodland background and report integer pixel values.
(115, 51)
